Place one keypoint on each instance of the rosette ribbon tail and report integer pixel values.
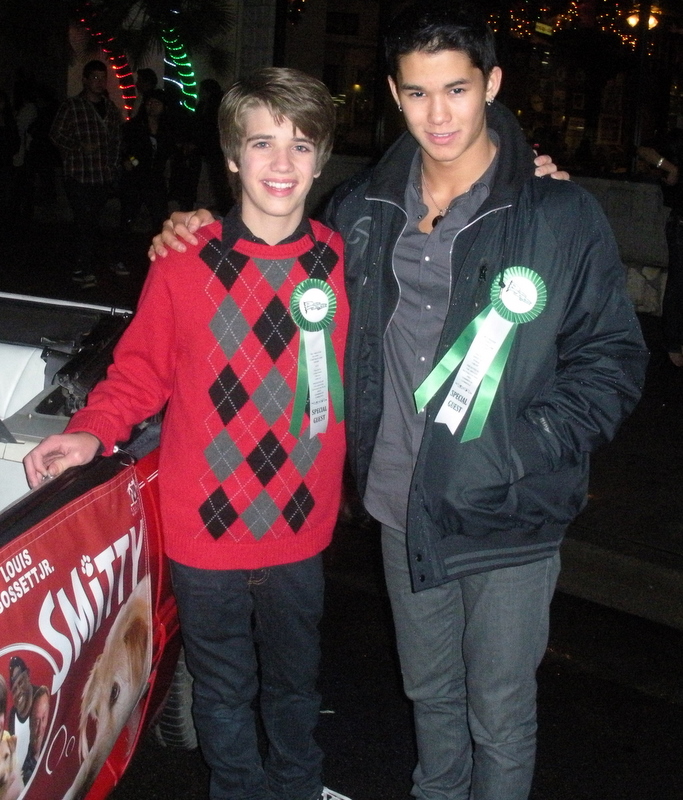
(478, 357)
(318, 379)
(301, 392)
(449, 362)
(309, 347)
(335, 380)
(487, 390)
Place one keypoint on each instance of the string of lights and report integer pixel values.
(527, 19)
(177, 57)
(115, 56)
(295, 8)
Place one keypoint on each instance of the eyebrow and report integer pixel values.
(261, 136)
(416, 87)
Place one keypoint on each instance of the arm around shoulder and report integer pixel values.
(178, 230)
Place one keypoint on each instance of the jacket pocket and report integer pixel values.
(525, 505)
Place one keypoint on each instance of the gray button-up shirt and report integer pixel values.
(422, 266)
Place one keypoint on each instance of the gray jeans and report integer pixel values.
(469, 652)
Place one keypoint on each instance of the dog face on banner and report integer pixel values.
(11, 784)
(114, 686)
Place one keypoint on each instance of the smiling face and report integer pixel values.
(22, 692)
(40, 714)
(444, 96)
(277, 167)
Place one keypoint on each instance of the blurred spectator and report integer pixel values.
(26, 112)
(9, 145)
(87, 131)
(146, 82)
(186, 161)
(666, 156)
(209, 142)
(147, 147)
(42, 158)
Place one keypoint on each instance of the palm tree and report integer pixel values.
(139, 26)
(131, 30)
(37, 43)
(33, 43)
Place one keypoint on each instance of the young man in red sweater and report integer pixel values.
(241, 340)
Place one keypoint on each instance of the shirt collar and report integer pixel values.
(302, 229)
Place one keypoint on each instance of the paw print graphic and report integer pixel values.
(86, 566)
(132, 490)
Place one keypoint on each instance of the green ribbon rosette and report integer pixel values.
(481, 351)
(313, 306)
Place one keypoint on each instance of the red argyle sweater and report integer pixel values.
(213, 337)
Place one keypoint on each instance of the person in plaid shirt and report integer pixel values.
(87, 131)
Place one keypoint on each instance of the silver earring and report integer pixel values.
(489, 101)
(400, 108)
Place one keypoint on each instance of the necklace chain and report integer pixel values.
(442, 211)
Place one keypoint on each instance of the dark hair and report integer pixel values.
(211, 86)
(149, 75)
(16, 667)
(440, 25)
(3, 696)
(285, 93)
(94, 66)
(157, 94)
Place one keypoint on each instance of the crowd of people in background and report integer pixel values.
(28, 159)
(147, 164)
(153, 162)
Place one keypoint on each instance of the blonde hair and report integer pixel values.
(285, 92)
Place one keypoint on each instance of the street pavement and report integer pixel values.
(610, 696)
(625, 549)
(610, 686)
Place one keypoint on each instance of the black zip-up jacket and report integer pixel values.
(573, 373)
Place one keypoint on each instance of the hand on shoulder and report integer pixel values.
(546, 166)
(178, 231)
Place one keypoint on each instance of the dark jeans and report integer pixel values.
(6, 205)
(152, 194)
(87, 202)
(23, 192)
(672, 303)
(233, 622)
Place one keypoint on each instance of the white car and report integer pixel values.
(89, 635)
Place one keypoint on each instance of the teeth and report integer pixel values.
(279, 185)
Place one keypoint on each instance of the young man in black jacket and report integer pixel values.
(492, 347)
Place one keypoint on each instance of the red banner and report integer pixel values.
(75, 642)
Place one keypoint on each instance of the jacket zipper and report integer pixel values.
(393, 271)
